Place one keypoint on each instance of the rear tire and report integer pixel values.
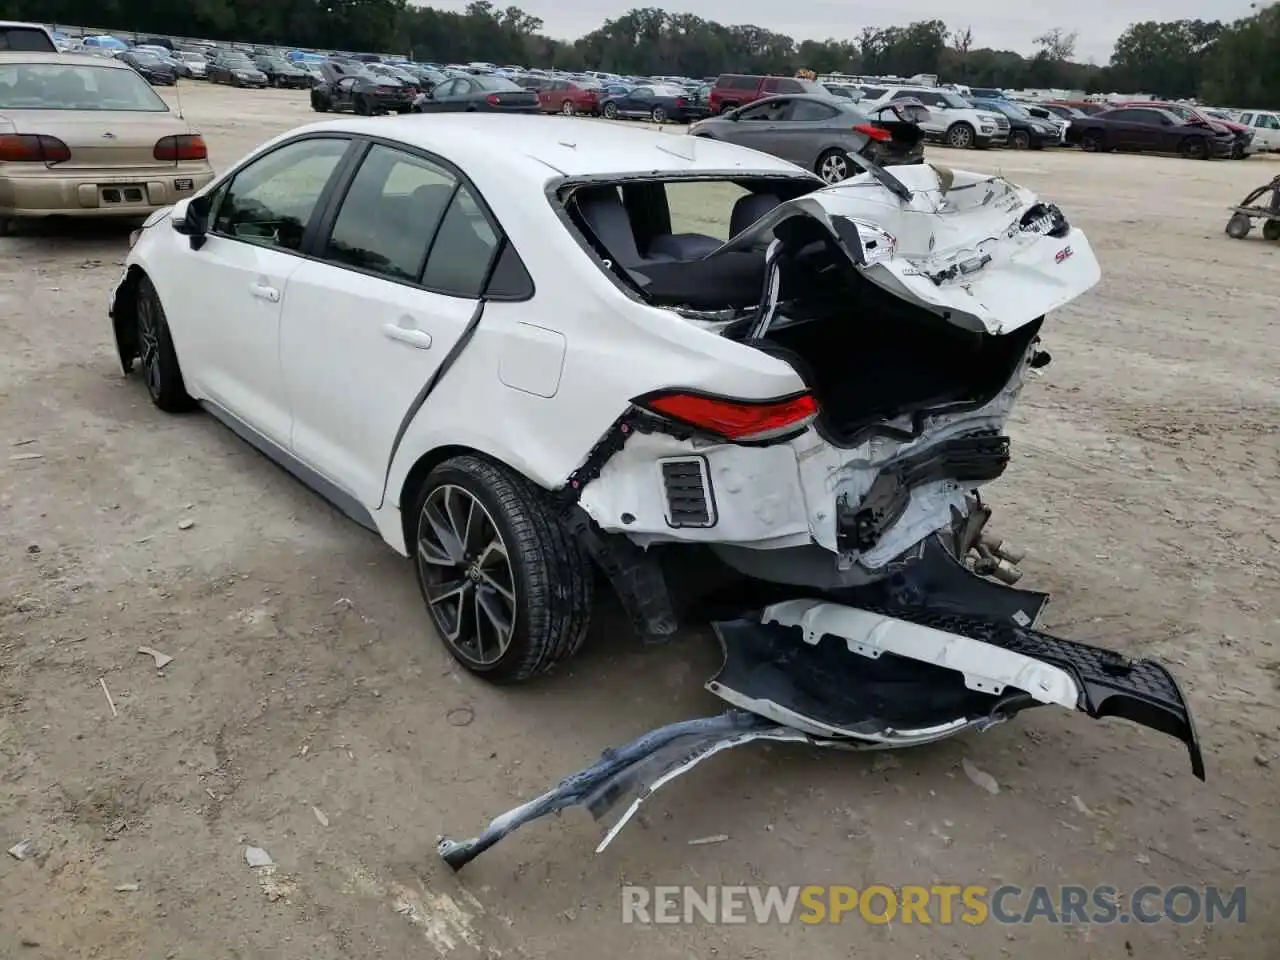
(659, 115)
(610, 111)
(362, 107)
(1271, 230)
(491, 552)
(157, 359)
(960, 136)
(567, 108)
(1091, 141)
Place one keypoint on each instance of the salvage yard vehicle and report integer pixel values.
(545, 378)
(350, 87)
(234, 68)
(477, 94)
(1138, 129)
(819, 133)
(952, 119)
(88, 137)
(1241, 145)
(655, 102)
(1265, 125)
(1026, 132)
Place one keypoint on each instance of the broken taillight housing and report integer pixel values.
(32, 148)
(872, 131)
(185, 147)
(742, 421)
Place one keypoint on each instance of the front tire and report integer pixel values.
(832, 166)
(960, 136)
(157, 360)
(1195, 148)
(1020, 140)
(567, 108)
(508, 587)
(318, 104)
(1091, 142)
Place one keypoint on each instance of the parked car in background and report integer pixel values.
(700, 101)
(1139, 129)
(843, 91)
(653, 102)
(486, 93)
(281, 73)
(1241, 146)
(152, 68)
(87, 137)
(192, 65)
(1088, 107)
(353, 88)
(818, 133)
(1025, 131)
(236, 69)
(1064, 111)
(1265, 125)
(732, 90)
(570, 97)
(952, 119)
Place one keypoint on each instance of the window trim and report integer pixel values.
(337, 177)
(313, 246)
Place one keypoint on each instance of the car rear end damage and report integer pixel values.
(909, 308)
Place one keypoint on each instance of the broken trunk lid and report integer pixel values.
(962, 247)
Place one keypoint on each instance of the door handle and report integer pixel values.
(264, 292)
(414, 338)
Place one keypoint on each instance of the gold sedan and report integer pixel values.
(88, 137)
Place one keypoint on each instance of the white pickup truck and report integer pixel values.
(1266, 129)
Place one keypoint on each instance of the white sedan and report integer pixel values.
(493, 341)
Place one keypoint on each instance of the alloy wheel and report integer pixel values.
(466, 574)
(149, 345)
(834, 168)
(567, 108)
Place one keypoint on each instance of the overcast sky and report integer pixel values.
(995, 23)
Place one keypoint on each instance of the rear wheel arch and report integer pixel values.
(413, 481)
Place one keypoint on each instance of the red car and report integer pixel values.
(568, 97)
(1190, 114)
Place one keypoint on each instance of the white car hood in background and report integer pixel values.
(964, 245)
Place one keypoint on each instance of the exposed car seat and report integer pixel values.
(749, 209)
(683, 246)
(602, 208)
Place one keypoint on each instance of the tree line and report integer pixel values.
(1227, 63)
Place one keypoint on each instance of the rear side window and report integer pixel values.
(463, 250)
(810, 111)
(390, 214)
(25, 40)
(873, 92)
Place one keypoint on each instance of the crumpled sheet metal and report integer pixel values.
(636, 770)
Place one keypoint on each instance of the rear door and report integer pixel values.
(803, 131)
(395, 279)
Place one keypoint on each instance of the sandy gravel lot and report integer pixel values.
(1145, 482)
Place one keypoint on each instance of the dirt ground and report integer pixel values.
(306, 678)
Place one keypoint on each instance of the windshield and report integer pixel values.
(496, 83)
(58, 86)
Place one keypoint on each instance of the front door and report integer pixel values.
(231, 348)
(394, 283)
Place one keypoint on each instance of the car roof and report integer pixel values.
(537, 148)
(73, 59)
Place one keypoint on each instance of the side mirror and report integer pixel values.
(191, 219)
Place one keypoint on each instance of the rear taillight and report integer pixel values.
(492, 100)
(681, 101)
(185, 147)
(874, 132)
(32, 148)
(737, 420)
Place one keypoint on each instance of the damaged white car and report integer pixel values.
(530, 353)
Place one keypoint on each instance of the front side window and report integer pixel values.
(390, 214)
(271, 201)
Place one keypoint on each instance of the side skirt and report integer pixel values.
(338, 498)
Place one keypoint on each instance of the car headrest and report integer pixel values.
(749, 209)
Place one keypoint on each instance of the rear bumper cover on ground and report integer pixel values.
(892, 678)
